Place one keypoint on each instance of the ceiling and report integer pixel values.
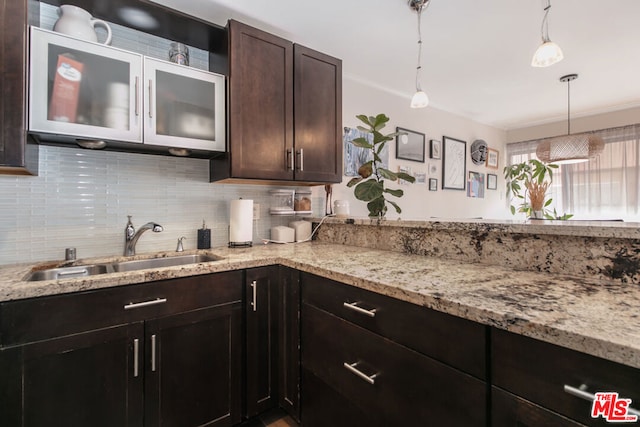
(476, 54)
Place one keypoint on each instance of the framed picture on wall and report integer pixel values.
(492, 158)
(409, 145)
(492, 181)
(476, 185)
(454, 163)
(435, 149)
(433, 184)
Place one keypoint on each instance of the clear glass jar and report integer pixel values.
(179, 54)
(302, 202)
(282, 202)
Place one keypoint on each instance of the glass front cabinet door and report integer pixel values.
(184, 106)
(88, 91)
(84, 90)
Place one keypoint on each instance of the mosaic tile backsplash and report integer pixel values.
(82, 198)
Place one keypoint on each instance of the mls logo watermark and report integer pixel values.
(612, 408)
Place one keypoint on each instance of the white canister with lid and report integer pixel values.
(341, 208)
(303, 230)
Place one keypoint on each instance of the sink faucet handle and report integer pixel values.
(180, 248)
(129, 231)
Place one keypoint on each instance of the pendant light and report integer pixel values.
(420, 99)
(548, 53)
(570, 149)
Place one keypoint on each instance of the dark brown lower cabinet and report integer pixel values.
(261, 308)
(167, 353)
(84, 379)
(289, 341)
(191, 366)
(393, 385)
(508, 410)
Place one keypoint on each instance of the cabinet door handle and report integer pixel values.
(254, 302)
(137, 97)
(354, 306)
(153, 353)
(136, 355)
(351, 367)
(582, 393)
(301, 157)
(150, 98)
(290, 160)
(145, 303)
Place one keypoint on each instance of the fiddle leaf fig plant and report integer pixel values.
(370, 184)
(529, 181)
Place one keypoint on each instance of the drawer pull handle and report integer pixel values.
(136, 353)
(144, 303)
(352, 368)
(354, 306)
(153, 353)
(583, 394)
(254, 303)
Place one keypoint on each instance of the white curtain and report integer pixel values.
(605, 188)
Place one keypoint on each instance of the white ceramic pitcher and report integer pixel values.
(79, 23)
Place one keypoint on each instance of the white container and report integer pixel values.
(302, 229)
(282, 234)
(341, 208)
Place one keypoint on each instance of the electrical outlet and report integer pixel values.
(256, 211)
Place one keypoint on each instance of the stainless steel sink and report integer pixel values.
(143, 264)
(68, 272)
(116, 267)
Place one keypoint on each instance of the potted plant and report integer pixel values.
(369, 186)
(529, 181)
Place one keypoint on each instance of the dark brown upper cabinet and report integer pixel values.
(17, 155)
(284, 111)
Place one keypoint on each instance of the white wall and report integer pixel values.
(607, 120)
(418, 202)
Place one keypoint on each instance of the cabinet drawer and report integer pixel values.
(47, 317)
(539, 371)
(395, 385)
(508, 410)
(424, 330)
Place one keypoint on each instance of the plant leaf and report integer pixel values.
(376, 207)
(395, 205)
(406, 177)
(368, 190)
(397, 193)
(354, 181)
(387, 174)
(366, 170)
(361, 142)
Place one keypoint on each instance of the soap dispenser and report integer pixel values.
(204, 237)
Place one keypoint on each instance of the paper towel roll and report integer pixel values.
(241, 222)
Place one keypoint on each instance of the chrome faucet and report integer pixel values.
(131, 236)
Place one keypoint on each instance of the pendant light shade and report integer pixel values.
(548, 53)
(420, 98)
(569, 149)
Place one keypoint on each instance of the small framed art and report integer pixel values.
(409, 145)
(435, 149)
(492, 158)
(454, 163)
(492, 181)
(433, 184)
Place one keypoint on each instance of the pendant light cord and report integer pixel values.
(544, 29)
(568, 107)
(419, 10)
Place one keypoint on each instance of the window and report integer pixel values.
(607, 187)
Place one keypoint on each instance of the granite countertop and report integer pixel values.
(611, 229)
(594, 316)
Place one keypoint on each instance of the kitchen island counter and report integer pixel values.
(591, 315)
